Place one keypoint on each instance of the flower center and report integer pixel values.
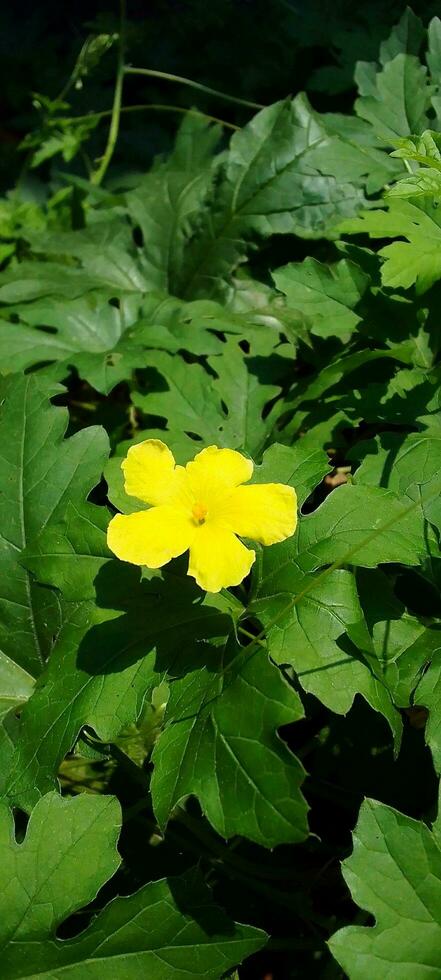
(199, 513)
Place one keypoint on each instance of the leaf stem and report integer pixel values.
(251, 636)
(332, 568)
(165, 107)
(98, 175)
(166, 76)
(157, 107)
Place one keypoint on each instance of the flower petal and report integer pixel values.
(217, 558)
(213, 470)
(150, 537)
(265, 512)
(150, 471)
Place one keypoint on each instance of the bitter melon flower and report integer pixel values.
(202, 507)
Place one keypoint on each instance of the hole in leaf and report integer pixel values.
(219, 334)
(138, 237)
(21, 821)
(194, 436)
(34, 368)
(46, 329)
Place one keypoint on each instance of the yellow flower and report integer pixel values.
(201, 507)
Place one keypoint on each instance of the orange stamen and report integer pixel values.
(199, 512)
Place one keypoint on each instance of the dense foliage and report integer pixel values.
(239, 783)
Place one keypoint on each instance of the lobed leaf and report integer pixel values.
(245, 778)
(394, 873)
(168, 928)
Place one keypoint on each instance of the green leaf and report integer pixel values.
(350, 515)
(106, 340)
(428, 694)
(18, 216)
(410, 397)
(394, 873)
(102, 256)
(226, 410)
(70, 851)
(64, 136)
(433, 59)
(416, 260)
(170, 324)
(434, 47)
(16, 685)
(422, 184)
(309, 635)
(77, 688)
(409, 466)
(256, 313)
(91, 334)
(310, 618)
(196, 230)
(182, 933)
(358, 154)
(325, 295)
(246, 780)
(88, 324)
(277, 180)
(186, 401)
(163, 206)
(105, 684)
(168, 201)
(26, 282)
(395, 100)
(40, 473)
(188, 248)
(305, 633)
(69, 556)
(405, 37)
(332, 374)
(301, 467)
(353, 389)
(103, 665)
(423, 149)
(93, 49)
(396, 643)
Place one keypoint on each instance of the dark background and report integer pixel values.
(261, 50)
